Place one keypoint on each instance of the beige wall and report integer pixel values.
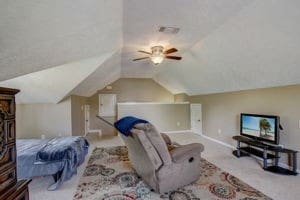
(128, 90)
(52, 120)
(182, 97)
(165, 117)
(221, 111)
(139, 90)
(78, 115)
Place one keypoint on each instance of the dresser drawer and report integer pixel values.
(7, 179)
(7, 157)
(24, 195)
(9, 130)
(17, 192)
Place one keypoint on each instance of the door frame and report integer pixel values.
(86, 119)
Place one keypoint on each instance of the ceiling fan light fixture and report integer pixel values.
(157, 55)
(157, 59)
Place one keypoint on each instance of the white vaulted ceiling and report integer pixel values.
(258, 47)
(108, 72)
(36, 35)
(226, 45)
(195, 18)
(52, 85)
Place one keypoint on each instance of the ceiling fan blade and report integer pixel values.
(174, 57)
(172, 50)
(140, 58)
(144, 52)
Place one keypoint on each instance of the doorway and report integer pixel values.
(196, 118)
(86, 119)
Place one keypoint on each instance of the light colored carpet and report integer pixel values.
(109, 176)
(247, 169)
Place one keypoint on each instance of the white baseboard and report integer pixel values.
(233, 147)
(99, 131)
(218, 141)
(180, 131)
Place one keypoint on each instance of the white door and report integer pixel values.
(86, 119)
(196, 118)
(107, 105)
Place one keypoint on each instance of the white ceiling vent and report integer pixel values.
(168, 30)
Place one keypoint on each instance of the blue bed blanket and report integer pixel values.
(47, 157)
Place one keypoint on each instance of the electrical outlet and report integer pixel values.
(178, 123)
(219, 131)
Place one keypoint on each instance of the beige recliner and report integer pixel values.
(161, 169)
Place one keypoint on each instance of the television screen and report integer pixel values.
(261, 127)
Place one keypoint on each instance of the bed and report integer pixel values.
(58, 157)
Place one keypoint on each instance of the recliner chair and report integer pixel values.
(161, 169)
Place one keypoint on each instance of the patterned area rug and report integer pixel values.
(109, 176)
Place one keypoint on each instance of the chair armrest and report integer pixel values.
(186, 152)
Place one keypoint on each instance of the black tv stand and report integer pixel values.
(265, 151)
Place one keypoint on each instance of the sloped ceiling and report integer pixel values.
(108, 72)
(259, 47)
(142, 19)
(35, 35)
(51, 85)
(226, 45)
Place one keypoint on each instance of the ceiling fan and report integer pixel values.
(157, 54)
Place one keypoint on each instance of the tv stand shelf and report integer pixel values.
(265, 151)
(246, 151)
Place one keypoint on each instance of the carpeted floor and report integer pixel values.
(109, 176)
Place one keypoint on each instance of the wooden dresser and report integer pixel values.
(10, 188)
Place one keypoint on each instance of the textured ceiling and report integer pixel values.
(36, 35)
(52, 85)
(257, 48)
(142, 19)
(226, 45)
(107, 73)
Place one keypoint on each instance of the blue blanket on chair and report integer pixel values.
(125, 124)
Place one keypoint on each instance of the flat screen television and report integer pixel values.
(260, 127)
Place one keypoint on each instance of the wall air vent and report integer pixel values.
(168, 30)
